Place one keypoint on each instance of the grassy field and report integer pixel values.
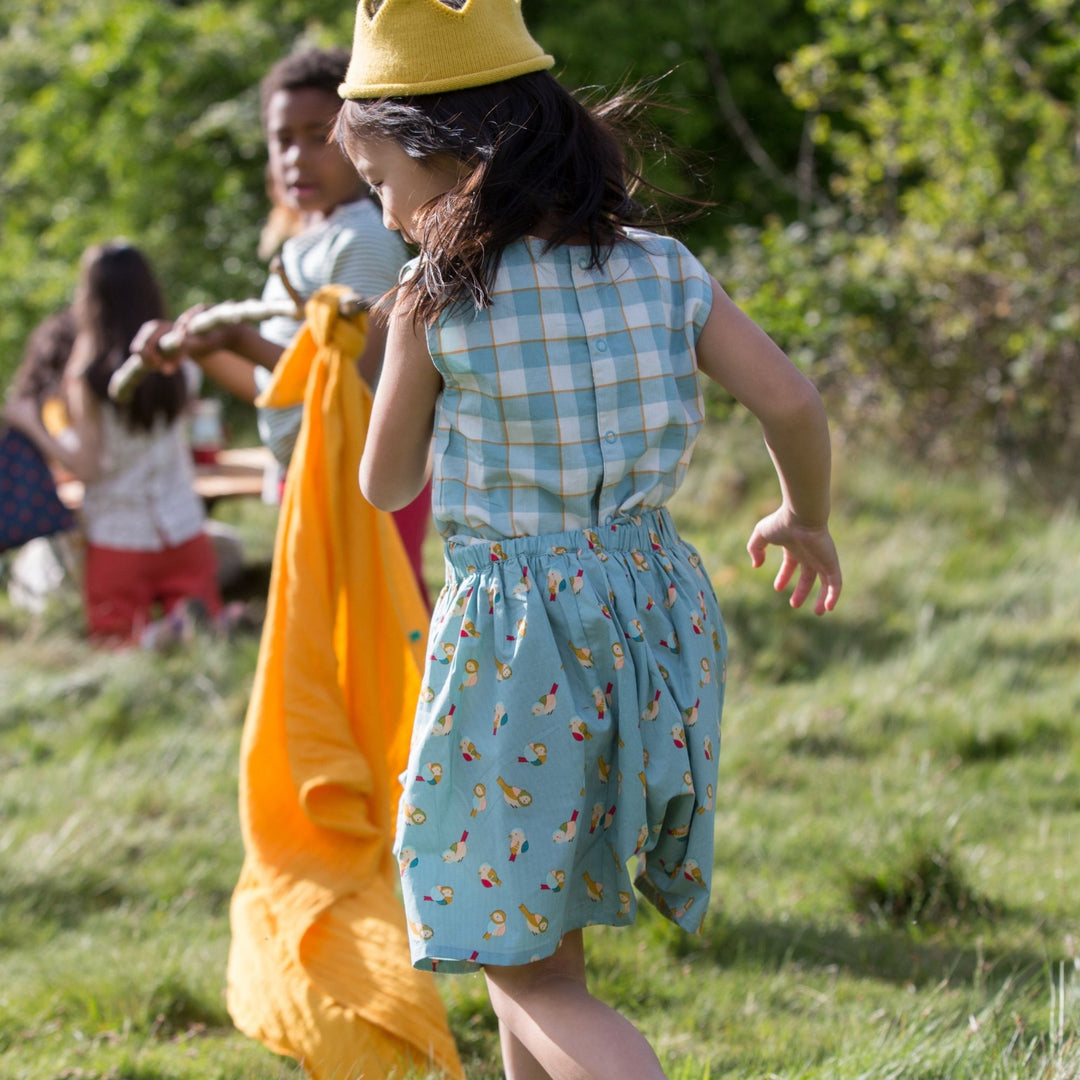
(897, 891)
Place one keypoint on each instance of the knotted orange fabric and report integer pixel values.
(319, 963)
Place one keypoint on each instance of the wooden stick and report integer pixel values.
(132, 371)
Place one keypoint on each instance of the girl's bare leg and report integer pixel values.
(518, 1063)
(563, 1030)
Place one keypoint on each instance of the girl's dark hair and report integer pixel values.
(41, 368)
(534, 155)
(117, 293)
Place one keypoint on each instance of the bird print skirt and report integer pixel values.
(565, 743)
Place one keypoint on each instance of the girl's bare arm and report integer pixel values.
(396, 453)
(736, 353)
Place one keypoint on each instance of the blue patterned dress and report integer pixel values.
(566, 741)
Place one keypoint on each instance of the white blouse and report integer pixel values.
(143, 500)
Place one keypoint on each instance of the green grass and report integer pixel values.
(898, 816)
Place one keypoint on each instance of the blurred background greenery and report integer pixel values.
(895, 181)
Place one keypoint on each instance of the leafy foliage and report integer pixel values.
(939, 294)
(140, 118)
(136, 119)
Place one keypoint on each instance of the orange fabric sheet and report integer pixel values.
(319, 961)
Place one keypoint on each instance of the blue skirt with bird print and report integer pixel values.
(565, 743)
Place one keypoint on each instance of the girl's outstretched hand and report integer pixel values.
(810, 549)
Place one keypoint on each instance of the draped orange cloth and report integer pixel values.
(319, 963)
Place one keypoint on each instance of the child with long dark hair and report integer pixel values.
(145, 545)
(569, 725)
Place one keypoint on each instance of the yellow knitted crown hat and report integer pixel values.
(406, 47)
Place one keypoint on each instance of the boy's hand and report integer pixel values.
(198, 346)
(145, 345)
(810, 548)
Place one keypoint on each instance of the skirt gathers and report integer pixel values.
(566, 738)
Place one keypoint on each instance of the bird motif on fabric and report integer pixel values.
(692, 872)
(652, 710)
(566, 832)
(515, 796)
(577, 582)
(639, 560)
(524, 585)
(535, 922)
(624, 905)
(448, 650)
(503, 670)
(533, 754)
(603, 769)
(520, 629)
(672, 646)
(600, 701)
(408, 859)
(595, 816)
(678, 736)
(445, 723)
(493, 596)
(445, 896)
(488, 877)
(706, 672)
(518, 844)
(434, 771)
(579, 729)
(413, 814)
(555, 881)
(690, 714)
(672, 595)
(618, 655)
(584, 654)
(707, 748)
(635, 632)
(468, 629)
(479, 800)
(545, 705)
(555, 583)
(499, 718)
(456, 851)
(472, 671)
(497, 553)
(594, 890)
(679, 912)
(496, 924)
(427, 695)
(421, 930)
(469, 751)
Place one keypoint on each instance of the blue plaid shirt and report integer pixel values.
(574, 399)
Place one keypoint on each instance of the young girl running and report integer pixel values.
(569, 725)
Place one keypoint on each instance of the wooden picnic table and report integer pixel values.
(237, 473)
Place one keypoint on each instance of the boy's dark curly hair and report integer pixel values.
(306, 69)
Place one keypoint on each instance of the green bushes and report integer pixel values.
(936, 298)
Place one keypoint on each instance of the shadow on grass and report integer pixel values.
(779, 648)
(875, 952)
(56, 903)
